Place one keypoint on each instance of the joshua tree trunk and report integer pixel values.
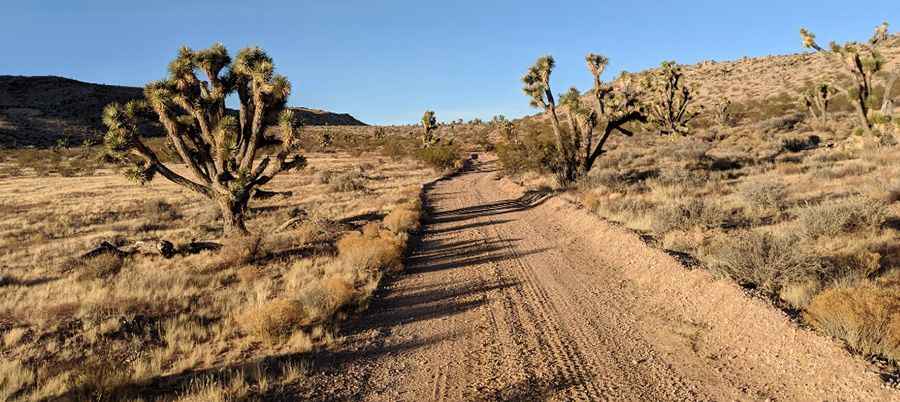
(233, 209)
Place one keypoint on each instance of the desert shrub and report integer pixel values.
(440, 156)
(683, 176)
(397, 148)
(781, 122)
(348, 181)
(99, 267)
(846, 170)
(848, 215)
(866, 317)
(830, 155)
(797, 144)
(160, 211)
(532, 154)
(685, 214)
(762, 260)
(766, 195)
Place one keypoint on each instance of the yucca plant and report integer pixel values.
(218, 149)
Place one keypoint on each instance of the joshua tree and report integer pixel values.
(429, 124)
(218, 149)
(817, 100)
(809, 40)
(506, 128)
(379, 133)
(862, 62)
(613, 108)
(722, 113)
(880, 35)
(327, 140)
(670, 108)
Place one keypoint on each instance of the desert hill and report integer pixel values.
(39, 111)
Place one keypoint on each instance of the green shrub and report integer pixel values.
(440, 156)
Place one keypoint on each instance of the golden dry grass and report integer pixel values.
(63, 320)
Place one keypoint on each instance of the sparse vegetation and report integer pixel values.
(68, 323)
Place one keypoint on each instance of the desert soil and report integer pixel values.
(515, 295)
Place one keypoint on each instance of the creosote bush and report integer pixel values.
(848, 215)
(762, 260)
(440, 156)
(686, 214)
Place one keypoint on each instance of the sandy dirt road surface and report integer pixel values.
(515, 295)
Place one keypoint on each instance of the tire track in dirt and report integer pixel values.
(513, 296)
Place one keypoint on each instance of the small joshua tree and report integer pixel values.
(218, 149)
(817, 100)
(578, 148)
(379, 133)
(326, 140)
(669, 109)
(809, 40)
(429, 125)
(722, 114)
(506, 128)
(880, 35)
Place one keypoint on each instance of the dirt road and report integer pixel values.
(519, 296)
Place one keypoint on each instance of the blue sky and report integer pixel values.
(386, 62)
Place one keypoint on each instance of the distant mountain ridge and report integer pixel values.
(41, 110)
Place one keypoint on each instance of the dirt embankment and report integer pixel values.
(513, 295)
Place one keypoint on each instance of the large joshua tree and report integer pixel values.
(219, 150)
(589, 125)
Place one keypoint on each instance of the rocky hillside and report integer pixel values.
(39, 111)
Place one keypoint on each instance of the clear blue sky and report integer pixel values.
(387, 61)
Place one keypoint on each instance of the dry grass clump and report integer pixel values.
(372, 249)
(14, 379)
(102, 266)
(404, 219)
(848, 215)
(762, 260)
(865, 316)
(236, 251)
(318, 294)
